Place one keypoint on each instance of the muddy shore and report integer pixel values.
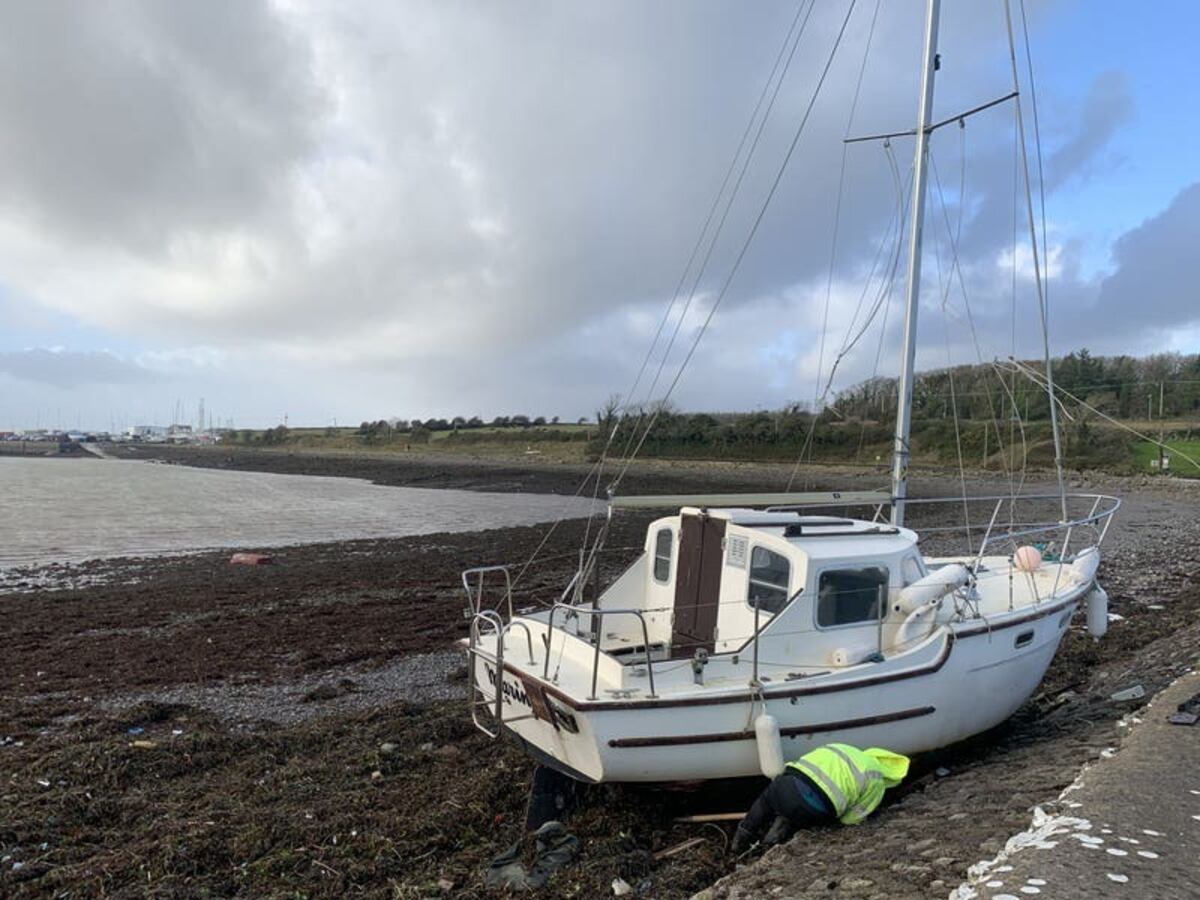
(194, 728)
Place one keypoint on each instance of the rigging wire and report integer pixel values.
(1040, 379)
(1037, 136)
(678, 294)
(693, 292)
(598, 468)
(748, 241)
(1037, 272)
(956, 269)
(885, 290)
(962, 190)
(791, 39)
(837, 210)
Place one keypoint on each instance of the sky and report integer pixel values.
(328, 212)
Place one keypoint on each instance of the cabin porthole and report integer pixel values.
(1023, 639)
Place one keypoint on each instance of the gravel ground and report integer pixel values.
(420, 679)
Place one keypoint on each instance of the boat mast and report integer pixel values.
(900, 452)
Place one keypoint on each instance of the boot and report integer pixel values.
(780, 832)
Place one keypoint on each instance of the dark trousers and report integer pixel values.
(792, 797)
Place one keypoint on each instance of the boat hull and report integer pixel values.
(964, 680)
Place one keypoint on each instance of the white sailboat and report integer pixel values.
(751, 629)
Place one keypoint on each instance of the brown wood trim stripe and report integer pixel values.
(799, 691)
(1013, 623)
(741, 697)
(720, 737)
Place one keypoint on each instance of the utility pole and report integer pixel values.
(1162, 453)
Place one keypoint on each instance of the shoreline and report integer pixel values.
(285, 682)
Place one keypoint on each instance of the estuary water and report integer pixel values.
(69, 510)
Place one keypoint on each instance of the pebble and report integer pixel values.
(1116, 852)
(1119, 879)
(387, 748)
(1147, 854)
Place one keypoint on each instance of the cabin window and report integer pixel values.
(912, 569)
(769, 574)
(849, 596)
(662, 555)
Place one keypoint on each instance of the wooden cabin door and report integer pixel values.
(697, 585)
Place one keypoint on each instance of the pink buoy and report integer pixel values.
(1027, 559)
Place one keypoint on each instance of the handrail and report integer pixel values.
(528, 637)
(492, 617)
(475, 599)
(596, 656)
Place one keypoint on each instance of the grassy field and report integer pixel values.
(1103, 447)
(1146, 455)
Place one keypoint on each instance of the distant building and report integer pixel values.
(146, 433)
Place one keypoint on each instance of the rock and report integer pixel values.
(945, 861)
(426, 747)
(941, 771)
(143, 745)
(857, 884)
(387, 748)
(621, 887)
(1137, 692)
(445, 885)
(377, 776)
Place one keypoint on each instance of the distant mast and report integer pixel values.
(900, 452)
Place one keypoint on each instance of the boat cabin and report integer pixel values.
(816, 589)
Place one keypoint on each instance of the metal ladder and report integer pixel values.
(489, 619)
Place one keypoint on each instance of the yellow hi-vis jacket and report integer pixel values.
(854, 780)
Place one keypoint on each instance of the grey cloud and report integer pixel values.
(458, 196)
(71, 368)
(1157, 271)
(1107, 107)
(132, 123)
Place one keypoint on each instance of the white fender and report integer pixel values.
(770, 749)
(917, 626)
(1083, 568)
(1097, 612)
(933, 587)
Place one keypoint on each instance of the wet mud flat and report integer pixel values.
(193, 728)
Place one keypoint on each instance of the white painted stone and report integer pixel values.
(1116, 852)
(1119, 879)
(1147, 854)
